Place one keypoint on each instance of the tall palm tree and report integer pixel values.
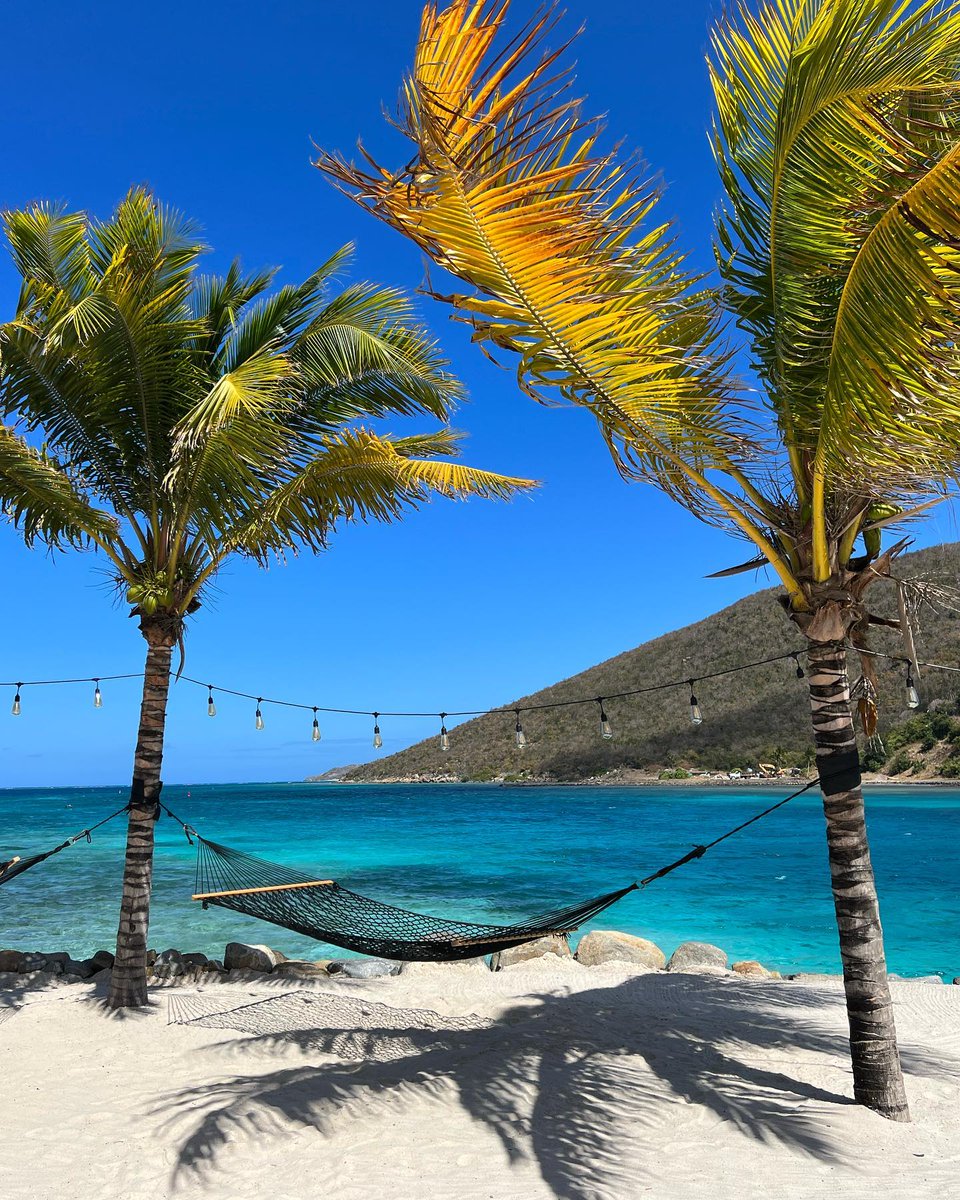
(187, 418)
(837, 136)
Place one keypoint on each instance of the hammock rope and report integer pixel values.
(326, 911)
(17, 865)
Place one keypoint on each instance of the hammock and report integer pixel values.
(17, 865)
(322, 909)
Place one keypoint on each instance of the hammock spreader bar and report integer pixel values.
(328, 912)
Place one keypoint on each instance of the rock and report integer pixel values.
(300, 969)
(608, 945)
(433, 969)
(553, 943)
(151, 958)
(102, 959)
(194, 960)
(82, 970)
(11, 960)
(915, 978)
(957, 981)
(751, 969)
(171, 969)
(239, 957)
(58, 956)
(694, 956)
(213, 964)
(169, 956)
(33, 961)
(363, 968)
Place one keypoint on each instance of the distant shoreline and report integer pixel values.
(644, 781)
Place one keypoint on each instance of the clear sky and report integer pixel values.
(216, 105)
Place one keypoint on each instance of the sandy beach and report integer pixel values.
(546, 1079)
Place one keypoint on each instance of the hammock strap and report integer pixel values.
(16, 866)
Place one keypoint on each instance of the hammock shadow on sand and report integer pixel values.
(580, 1084)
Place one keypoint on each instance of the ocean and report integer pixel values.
(488, 853)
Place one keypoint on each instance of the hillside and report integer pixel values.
(759, 715)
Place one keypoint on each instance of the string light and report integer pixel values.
(377, 739)
(913, 696)
(97, 698)
(258, 723)
(211, 707)
(800, 671)
(315, 732)
(15, 710)
(605, 731)
(696, 716)
(519, 735)
(444, 737)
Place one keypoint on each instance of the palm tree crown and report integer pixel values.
(186, 417)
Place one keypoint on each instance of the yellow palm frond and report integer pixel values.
(510, 192)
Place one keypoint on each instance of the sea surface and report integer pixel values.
(489, 853)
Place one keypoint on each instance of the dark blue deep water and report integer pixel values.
(486, 852)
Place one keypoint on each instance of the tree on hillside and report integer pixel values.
(170, 420)
(837, 136)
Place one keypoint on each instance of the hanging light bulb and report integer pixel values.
(520, 736)
(696, 716)
(800, 670)
(259, 720)
(97, 698)
(605, 730)
(211, 707)
(913, 696)
(315, 732)
(444, 738)
(16, 702)
(377, 739)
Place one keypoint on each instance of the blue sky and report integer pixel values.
(216, 106)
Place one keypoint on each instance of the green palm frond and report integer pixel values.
(357, 475)
(38, 495)
(837, 138)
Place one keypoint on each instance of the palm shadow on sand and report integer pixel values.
(570, 1081)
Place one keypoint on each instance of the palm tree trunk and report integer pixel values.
(128, 982)
(877, 1077)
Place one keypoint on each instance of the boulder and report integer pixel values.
(301, 969)
(694, 956)
(241, 957)
(553, 943)
(168, 956)
(213, 964)
(957, 981)
(151, 958)
(915, 978)
(34, 961)
(58, 956)
(751, 969)
(194, 960)
(11, 960)
(608, 945)
(102, 959)
(363, 968)
(82, 970)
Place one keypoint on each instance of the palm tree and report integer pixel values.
(837, 136)
(187, 418)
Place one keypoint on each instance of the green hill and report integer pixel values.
(755, 716)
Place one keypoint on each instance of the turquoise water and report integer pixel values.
(491, 853)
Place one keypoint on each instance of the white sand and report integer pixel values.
(548, 1079)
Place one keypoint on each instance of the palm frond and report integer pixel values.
(509, 191)
(41, 499)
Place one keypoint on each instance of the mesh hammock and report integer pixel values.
(322, 909)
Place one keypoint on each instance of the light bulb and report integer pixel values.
(521, 737)
(444, 738)
(913, 696)
(16, 703)
(259, 720)
(97, 698)
(211, 707)
(606, 731)
(315, 732)
(696, 716)
(377, 739)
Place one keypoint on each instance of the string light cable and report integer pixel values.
(696, 713)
